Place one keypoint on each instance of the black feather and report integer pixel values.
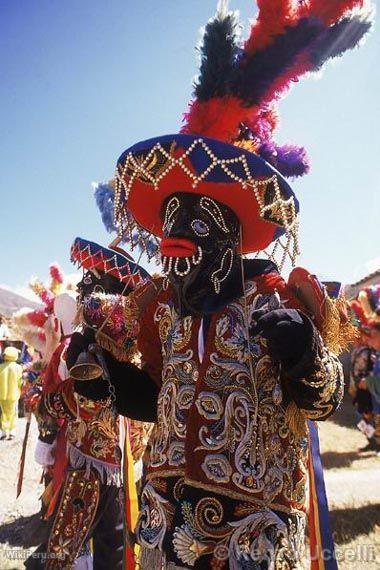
(337, 39)
(218, 55)
(257, 72)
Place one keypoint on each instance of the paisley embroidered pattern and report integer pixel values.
(227, 471)
(152, 522)
(177, 393)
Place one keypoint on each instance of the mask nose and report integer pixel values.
(181, 227)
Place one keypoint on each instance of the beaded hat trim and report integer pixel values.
(275, 205)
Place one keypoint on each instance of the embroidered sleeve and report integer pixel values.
(67, 404)
(319, 392)
(150, 346)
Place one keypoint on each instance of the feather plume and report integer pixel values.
(239, 87)
(335, 40)
(56, 273)
(37, 317)
(218, 118)
(218, 53)
(272, 19)
(46, 296)
(257, 74)
(290, 160)
(330, 11)
(56, 278)
(104, 197)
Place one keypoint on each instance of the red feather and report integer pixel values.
(273, 17)
(56, 273)
(330, 11)
(37, 317)
(218, 118)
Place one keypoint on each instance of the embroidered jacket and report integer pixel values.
(226, 476)
(92, 431)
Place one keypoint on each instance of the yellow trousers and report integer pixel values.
(8, 414)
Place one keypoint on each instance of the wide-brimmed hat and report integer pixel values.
(90, 255)
(150, 171)
(227, 148)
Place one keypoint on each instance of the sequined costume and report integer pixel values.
(227, 466)
(88, 503)
(235, 361)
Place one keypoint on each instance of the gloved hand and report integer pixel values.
(78, 343)
(290, 334)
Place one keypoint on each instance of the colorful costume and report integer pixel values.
(10, 391)
(241, 360)
(89, 504)
(365, 368)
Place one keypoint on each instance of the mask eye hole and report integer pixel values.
(200, 228)
(98, 289)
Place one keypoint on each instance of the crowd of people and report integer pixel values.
(231, 363)
(365, 366)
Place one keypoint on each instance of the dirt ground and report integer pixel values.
(352, 481)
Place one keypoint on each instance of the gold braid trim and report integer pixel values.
(336, 335)
(296, 420)
(119, 352)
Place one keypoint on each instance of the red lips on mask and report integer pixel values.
(177, 247)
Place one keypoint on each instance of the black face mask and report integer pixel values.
(102, 284)
(199, 253)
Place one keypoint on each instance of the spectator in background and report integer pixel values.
(10, 390)
(4, 330)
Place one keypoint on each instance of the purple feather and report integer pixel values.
(289, 160)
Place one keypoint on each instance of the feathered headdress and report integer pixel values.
(366, 308)
(239, 85)
(227, 148)
(28, 324)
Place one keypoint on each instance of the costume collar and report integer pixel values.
(253, 268)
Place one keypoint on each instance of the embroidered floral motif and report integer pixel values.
(74, 518)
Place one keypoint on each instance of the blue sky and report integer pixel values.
(81, 80)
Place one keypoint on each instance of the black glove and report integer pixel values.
(136, 393)
(290, 335)
(79, 342)
(97, 389)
